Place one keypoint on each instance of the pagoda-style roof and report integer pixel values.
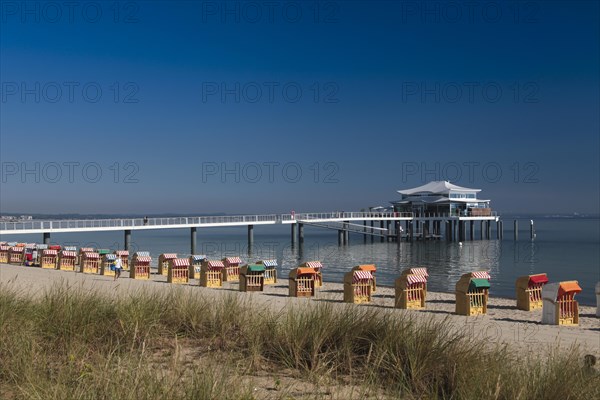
(436, 200)
(437, 187)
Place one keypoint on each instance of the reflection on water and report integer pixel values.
(565, 249)
(446, 262)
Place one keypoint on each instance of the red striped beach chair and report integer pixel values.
(211, 273)
(231, 270)
(140, 265)
(179, 270)
(411, 289)
(163, 263)
(358, 286)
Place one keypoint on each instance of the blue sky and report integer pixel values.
(252, 107)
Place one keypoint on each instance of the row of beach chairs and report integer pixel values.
(472, 290)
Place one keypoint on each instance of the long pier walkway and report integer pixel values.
(424, 226)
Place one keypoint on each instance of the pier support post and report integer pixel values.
(461, 230)
(346, 233)
(193, 240)
(516, 228)
(489, 230)
(293, 226)
(46, 236)
(447, 230)
(300, 233)
(531, 230)
(365, 230)
(372, 231)
(250, 236)
(425, 229)
(381, 225)
(481, 229)
(340, 237)
(501, 229)
(127, 243)
(411, 230)
(472, 230)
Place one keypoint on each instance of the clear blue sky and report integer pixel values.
(203, 106)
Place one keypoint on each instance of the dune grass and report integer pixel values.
(72, 344)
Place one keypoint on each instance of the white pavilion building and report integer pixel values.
(442, 198)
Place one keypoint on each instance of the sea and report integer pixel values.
(564, 248)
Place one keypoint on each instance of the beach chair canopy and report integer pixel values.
(30, 246)
(50, 252)
(42, 246)
(70, 254)
(366, 267)
(17, 249)
(412, 279)
(181, 262)
(122, 253)
(232, 260)
(269, 263)
(198, 257)
(481, 275)
(256, 268)
(143, 259)
(314, 264)
(86, 250)
(91, 255)
(568, 287)
(103, 251)
(553, 291)
(70, 248)
(479, 283)
(419, 271)
(169, 256)
(4, 248)
(305, 271)
(215, 264)
(142, 254)
(361, 276)
(538, 279)
(110, 257)
(11, 244)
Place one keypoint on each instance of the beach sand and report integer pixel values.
(522, 331)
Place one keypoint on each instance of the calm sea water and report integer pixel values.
(565, 249)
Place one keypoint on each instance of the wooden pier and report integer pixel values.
(421, 227)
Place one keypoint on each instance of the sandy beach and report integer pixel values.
(504, 323)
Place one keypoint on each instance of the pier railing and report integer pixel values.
(346, 215)
(447, 215)
(135, 222)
